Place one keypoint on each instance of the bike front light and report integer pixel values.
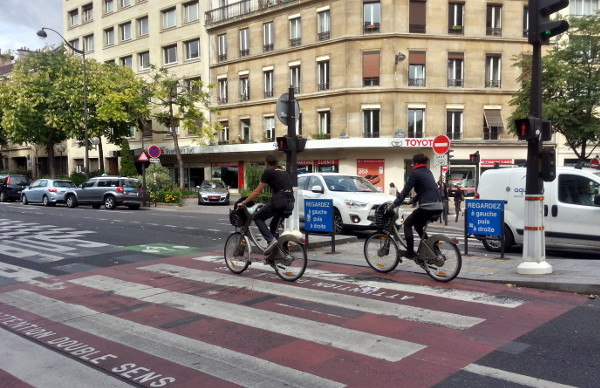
(350, 204)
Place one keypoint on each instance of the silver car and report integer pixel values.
(213, 191)
(46, 191)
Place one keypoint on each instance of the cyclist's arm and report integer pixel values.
(253, 195)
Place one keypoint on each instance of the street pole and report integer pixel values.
(292, 156)
(86, 161)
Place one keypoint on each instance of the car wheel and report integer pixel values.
(96, 206)
(134, 207)
(496, 245)
(45, 201)
(3, 197)
(71, 201)
(24, 200)
(109, 202)
(338, 223)
(199, 201)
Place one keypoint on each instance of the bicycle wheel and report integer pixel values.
(381, 252)
(237, 252)
(293, 264)
(447, 263)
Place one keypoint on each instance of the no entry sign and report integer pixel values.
(595, 163)
(441, 144)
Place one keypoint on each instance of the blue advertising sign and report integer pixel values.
(484, 217)
(318, 215)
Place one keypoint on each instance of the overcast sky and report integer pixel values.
(20, 21)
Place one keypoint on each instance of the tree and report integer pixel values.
(570, 86)
(180, 103)
(127, 164)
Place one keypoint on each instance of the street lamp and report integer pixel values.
(95, 141)
(86, 161)
(60, 147)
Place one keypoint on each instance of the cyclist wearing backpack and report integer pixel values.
(282, 200)
(427, 196)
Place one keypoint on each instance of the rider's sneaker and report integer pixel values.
(409, 255)
(271, 246)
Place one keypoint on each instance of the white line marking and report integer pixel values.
(513, 377)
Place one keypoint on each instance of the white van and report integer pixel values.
(571, 206)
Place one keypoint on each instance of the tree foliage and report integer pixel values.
(127, 164)
(570, 86)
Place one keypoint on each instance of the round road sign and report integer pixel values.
(595, 163)
(441, 144)
(154, 151)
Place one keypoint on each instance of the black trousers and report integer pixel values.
(417, 219)
(261, 217)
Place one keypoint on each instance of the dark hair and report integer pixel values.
(420, 159)
(271, 160)
(392, 184)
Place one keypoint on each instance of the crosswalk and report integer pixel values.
(187, 321)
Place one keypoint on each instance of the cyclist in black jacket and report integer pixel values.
(427, 196)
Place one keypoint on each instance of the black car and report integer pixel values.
(11, 186)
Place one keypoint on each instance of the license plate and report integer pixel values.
(19, 192)
(216, 198)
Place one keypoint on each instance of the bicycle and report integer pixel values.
(288, 258)
(438, 255)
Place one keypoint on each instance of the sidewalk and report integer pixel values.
(570, 275)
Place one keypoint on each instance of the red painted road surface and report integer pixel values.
(188, 321)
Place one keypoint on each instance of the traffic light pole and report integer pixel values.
(292, 223)
(534, 244)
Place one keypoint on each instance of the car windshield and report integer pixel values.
(349, 184)
(19, 180)
(213, 185)
(64, 184)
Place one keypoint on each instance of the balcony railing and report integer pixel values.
(456, 30)
(371, 28)
(416, 82)
(324, 35)
(240, 8)
(493, 31)
(457, 83)
(492, 83)
(268, 47)
(371, 81)
(324, 86)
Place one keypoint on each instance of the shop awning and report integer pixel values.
(493, 118)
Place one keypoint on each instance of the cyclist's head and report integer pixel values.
(271, 160)
(420, 159)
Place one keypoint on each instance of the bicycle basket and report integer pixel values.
(383, 218)
(237, 218)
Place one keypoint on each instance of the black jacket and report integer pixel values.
(426, 188)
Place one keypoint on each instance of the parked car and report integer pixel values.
(110, 191)
(46, 191)
(11, 186)
(353, 198)
(213, 192)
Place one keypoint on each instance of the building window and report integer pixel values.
(493, 64)
(245, 130)
(193, 84)
(143, 27)
(169, 18)
(456, 70)
(583, 7)
(268, 83)
(109, 6)
(417, 16)
(325, 123)
(416, 123)
(324, 27)
(270, 128)
(372, 17)
(73, 18)
(109, 36)
(222, 53)
(244, 88)
(323, 69)
(268, 37)
(192, 49)
(456, 17)
(493, 22)
(170, 54)
(125, 3)
(454, 124)
(224, 133)
(371, 123)
(371, 68)
(144, 60)
(416, 68)
(191, 12)
(125, 30)
(174, 128)
(222, 85)
(88, 13)
(295, 78)
(295, 32)
(244, 42)
(75, 44)
(88, 43)
(525, 21)
(492, 124)
(127, 61)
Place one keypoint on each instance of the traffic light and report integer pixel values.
(528, 128)
(300, 144)
(475, 158)
(541, 28)
(285, 144)
(548, 164)
(546, 130)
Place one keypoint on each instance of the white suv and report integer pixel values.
(353, 198)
